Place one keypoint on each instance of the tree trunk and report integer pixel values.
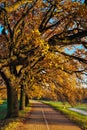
(26, 100)
(12, 94)
(85, 2)
(12, 103)
(22, 98)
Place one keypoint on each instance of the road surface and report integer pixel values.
(44, 117)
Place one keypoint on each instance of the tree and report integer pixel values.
(85, 2)
(18, 49)
(33, 29)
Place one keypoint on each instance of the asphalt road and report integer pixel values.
(44, 117)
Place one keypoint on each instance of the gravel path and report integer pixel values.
(44, 117)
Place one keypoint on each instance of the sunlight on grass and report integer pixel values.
(81, 120)
(82, 106)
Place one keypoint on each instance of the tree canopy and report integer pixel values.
(43, 42)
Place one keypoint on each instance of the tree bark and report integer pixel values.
(85, 2)
(12, 94)
(26, 100)
(12, 103)
(22, 98)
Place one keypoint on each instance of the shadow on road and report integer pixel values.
(52, 116)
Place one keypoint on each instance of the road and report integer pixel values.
(44, 117)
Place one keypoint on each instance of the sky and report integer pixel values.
(79, 0)
(1, 28)
(73, 49)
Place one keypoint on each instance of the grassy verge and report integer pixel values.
(14, 123)
(3, 109)
(10, 124)
(79, 119)
(82, 107)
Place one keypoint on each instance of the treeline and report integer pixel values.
(34, 38)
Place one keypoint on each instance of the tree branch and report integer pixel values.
(16, 5)
(47, 17)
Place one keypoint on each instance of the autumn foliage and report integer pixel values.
(36, 43)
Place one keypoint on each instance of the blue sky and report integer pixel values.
(79, 0)
(73, 49)
(1, 28)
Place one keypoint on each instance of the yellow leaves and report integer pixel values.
(12, 125)
(82, 11)
(18, 30)
(52, 86)
(18, 68)
(1, 101)
(35, 37)
(62, 68)
(69, 5)
(50, 55)
(61, 80)
(56, 65)
(32, 79)
(38, 41)
(45, 49)
(36, 32)
(16, 5)
(36, 91)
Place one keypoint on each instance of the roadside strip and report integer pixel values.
(79, 111)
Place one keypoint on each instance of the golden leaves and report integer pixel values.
(36, 39)
(82, 11)
(16, 5)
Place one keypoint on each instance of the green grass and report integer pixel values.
(10, 124)
(23, 113)
(3, 109)
(79, 119)
(82, 107)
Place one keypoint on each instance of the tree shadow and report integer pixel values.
(42, 113)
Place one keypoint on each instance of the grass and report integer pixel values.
(3, 109)
(79, 119)
(9, 124)
(14, 123)
(82, 107)
(23, 113)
